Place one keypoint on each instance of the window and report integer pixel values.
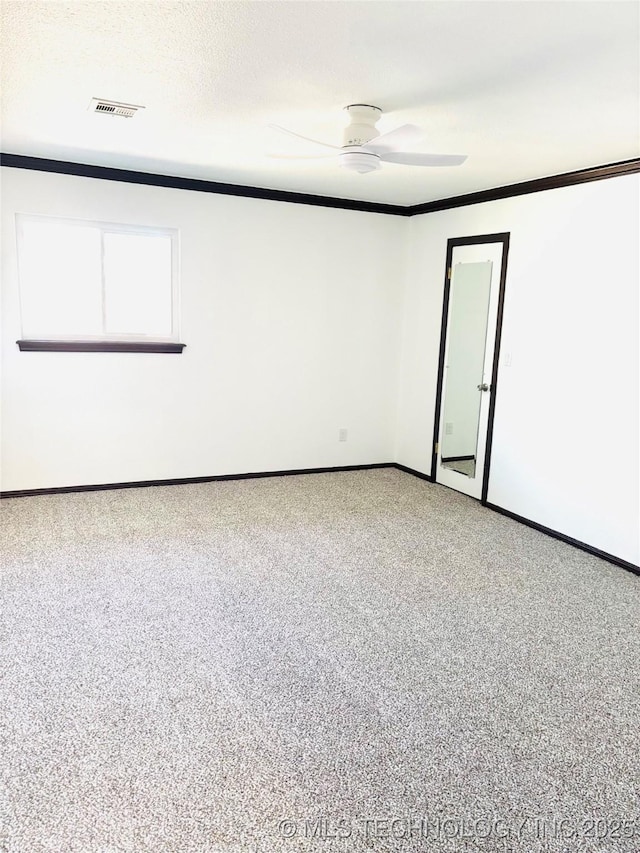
(97, 286)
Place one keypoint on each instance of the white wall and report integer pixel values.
(565, 446)
(291, 317)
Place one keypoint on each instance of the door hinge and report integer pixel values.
(449, 273)
(437, 450)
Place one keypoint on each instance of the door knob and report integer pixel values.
(483, 387)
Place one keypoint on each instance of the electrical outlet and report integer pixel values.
(448, 429)
(342, 435)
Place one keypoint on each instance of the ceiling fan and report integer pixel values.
(364, 148)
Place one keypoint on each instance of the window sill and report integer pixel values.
(99, 346)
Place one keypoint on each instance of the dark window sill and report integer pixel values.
(99, 346)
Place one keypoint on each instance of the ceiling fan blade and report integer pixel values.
(394, 140)
(409, 158)
(300, 136)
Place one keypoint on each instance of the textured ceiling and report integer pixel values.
(526, 89)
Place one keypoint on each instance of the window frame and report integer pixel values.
(107, 341)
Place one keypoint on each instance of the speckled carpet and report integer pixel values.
(335, 662)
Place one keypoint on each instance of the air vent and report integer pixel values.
(113, 108)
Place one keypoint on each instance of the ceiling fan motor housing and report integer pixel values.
(360, 130)
(362, 125)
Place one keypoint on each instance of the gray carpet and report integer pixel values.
(360, 654)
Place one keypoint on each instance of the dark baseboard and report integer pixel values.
(413, 471)
(457, 458)
(185, 481)
(569, 540)
(555, 534)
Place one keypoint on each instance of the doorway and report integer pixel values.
(469, 351)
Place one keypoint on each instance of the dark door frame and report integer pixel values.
(451, 244)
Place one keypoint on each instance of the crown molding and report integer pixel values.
(106, 173)
(84, 170)
(553, 182)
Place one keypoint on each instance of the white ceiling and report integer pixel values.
(526, 89)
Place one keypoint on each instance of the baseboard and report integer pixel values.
(456, 458)
(185, 481)
(569, 540)
(555, 534)
(413, 471)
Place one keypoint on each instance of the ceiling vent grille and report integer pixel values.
(113, 108)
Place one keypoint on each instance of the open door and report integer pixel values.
(471, 324)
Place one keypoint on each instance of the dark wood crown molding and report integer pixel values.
(63, 167)
(83, 170)
(568, 179)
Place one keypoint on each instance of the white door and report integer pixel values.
(474, 289)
